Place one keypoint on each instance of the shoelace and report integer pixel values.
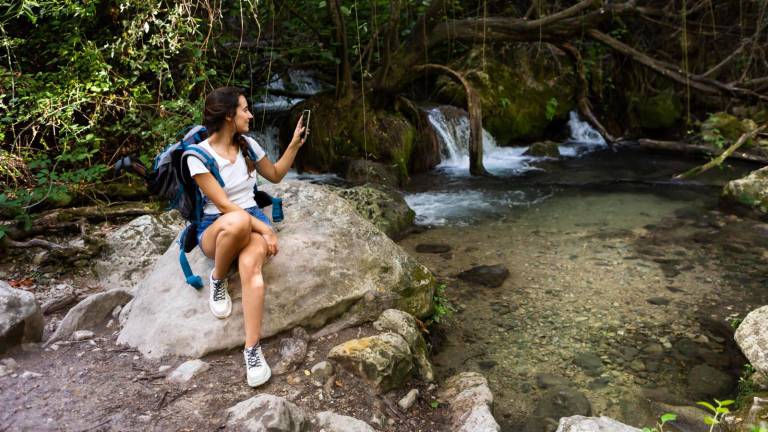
(254, 359)
(218, 290)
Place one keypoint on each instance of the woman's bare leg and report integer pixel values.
(250, 262)
(225, 238)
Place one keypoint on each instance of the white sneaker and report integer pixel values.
(257, 369)
(218, 300)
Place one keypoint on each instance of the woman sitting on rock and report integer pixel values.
(233, 226)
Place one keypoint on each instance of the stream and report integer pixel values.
(621, 282)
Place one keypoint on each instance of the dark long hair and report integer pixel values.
(220, 104)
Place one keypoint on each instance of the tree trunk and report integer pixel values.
(344, 76)
(474, 108)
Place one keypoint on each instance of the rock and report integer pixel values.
(322, 370)
(725, 127)
(81, 335)
(30, 375)
(21, 320)
(405, 325)
(592, 424)
(491, 276)
(163, 368)
(544, 149)
(132, 249)
(591, 363)
(555, 404)
(658, 301)
(435, 248)
(470, 402)
(751, 190)
(9, 362)
(384, 360)
(383, 207)
(90, 312)
(331, 422)
(546, 381)
(660, 111)
(187, 370)
(267, 413)
(408, 400)
(329, 259)
(359, 171)
(706, 382)
(292, 353)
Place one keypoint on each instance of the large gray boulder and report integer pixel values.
(132, 249)
(470, 402)
(266, 413)
(752, 338)
(384, 361)
(751, 191)
(88, 313)
(592, 424)
(329, 258)
(20, 317)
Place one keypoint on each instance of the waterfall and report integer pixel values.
(268, 140)
(583, 138)
(300, 82)
(451, 125)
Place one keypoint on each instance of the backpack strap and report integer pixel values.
(204, 157)
(191, 278)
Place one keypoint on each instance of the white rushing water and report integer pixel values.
(583, 138)
(300, 82)
(268, 140)
(452, 128)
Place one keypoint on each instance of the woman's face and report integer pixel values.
(243, 116)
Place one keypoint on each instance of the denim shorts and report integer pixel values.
(208, 219)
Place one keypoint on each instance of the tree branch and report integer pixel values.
(719, 160)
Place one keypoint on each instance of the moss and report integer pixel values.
(416, 297)
(347, 130)
(661, 111)
(514, 91)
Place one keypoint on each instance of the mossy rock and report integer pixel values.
(544, 149)
(343, 130)
(751, 191)
(726, 128)
(381, 206)
(515, 90)
(660, 111)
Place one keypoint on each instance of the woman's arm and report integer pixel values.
(275, 172)
(210, 187)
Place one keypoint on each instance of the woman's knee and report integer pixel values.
(237, 223)
(255, 253)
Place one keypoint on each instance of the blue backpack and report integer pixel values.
(170, 180)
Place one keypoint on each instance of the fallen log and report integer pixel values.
(719, 160)
(692, 149)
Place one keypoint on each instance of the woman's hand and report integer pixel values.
(271, 239)
(297, 137)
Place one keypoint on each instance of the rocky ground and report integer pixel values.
(95, 384)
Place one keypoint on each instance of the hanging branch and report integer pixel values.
(719, 160)
(582, 88)
(475, 117)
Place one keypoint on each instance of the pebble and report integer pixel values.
(187, 370)
(322, 369)
(9, 362)
(81, 335)
(163, 368)
(408, 400)
(29, 374)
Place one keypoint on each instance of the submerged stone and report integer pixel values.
(491, 276)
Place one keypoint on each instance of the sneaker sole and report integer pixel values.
(261, 381)
(227, 314)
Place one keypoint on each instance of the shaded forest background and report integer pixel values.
(84, 83)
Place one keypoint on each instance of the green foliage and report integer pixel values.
(443, 306)
(663, 419)
(746, 387)
(717, 412)
(550, 110)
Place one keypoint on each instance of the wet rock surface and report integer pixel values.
(487, 275)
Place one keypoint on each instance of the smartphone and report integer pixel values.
(306, 114)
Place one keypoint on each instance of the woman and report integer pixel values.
(232, 225)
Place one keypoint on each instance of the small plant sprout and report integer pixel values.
(663, 419)
(718, 412)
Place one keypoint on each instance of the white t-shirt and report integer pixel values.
(238, 185)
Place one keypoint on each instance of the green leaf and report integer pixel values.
(667, 417)
(434, 404)
(709, 420)
(727, 402)
(345, 10)
(708, 406)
